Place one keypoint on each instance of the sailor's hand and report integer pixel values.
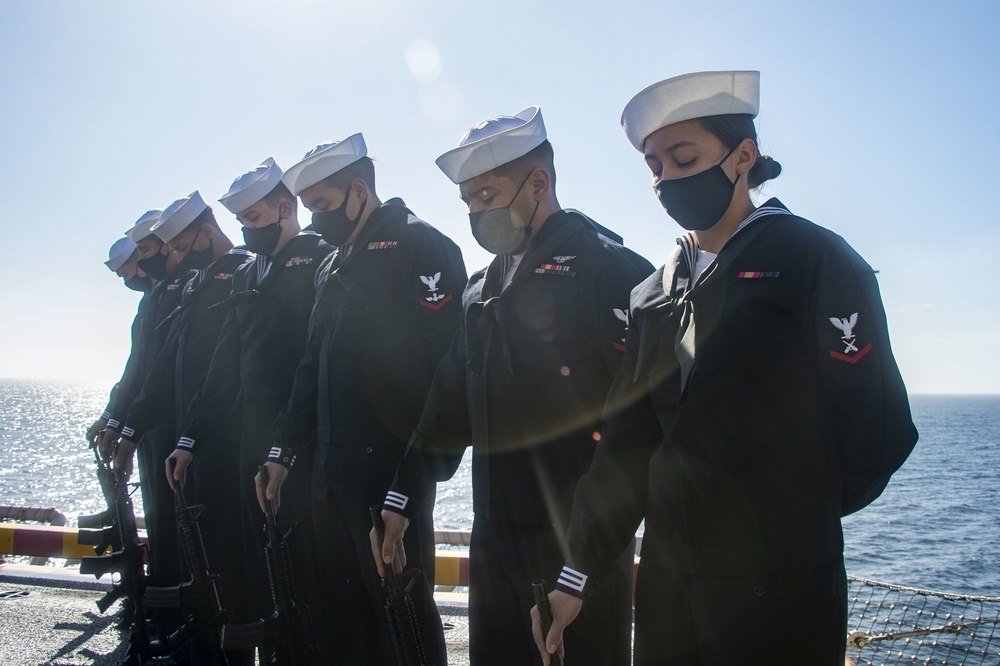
(108, 441)
(124, 453)
(181, 459)
(94, 432)
(565, 608)
(276, 474)
(392, 550)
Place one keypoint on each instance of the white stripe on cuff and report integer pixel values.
(112, 423)
(128, 432)
(185, 443)
(275, 452)
(396, 500)
(572, 579)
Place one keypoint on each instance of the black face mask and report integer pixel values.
(264, 239)
(155, 266)
(494, 229)
(197, 259)
(698, 202)
(334, 225)
(138, 282)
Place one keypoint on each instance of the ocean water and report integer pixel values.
(937, 526)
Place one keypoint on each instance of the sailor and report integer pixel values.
(188, 226)
(123, 259)
(262, 340)
(156, 260)
(757, 404)
(388, 302)
(524, 382)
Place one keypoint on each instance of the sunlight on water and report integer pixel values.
(44, 457)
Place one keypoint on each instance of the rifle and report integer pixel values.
(126, 561)
(404, 631)
(99, 529)
(289, 630)
(544, 616)
(199, 597)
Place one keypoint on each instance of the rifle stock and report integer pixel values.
(100, 539)
(105, 518)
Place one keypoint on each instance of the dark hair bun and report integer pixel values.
(764, 169)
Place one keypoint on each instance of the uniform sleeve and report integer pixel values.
(435, 450)
(128, 386)
(610, 499)
(613, 289)
(156, 397)
(436, 280)
(866, 400)
(295, 427)
(221, 390)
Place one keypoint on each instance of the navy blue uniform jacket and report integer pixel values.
(751, 412)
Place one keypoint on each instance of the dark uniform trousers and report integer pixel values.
(722, 620)
(509, 556)
(347, 480)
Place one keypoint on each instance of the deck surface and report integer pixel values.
(53, 620)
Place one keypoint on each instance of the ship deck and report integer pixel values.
(49, 617)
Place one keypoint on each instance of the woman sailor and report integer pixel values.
(757, 403)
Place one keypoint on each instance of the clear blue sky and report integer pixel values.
(881, 112)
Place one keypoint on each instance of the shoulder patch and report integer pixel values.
(851, 353)
(436, 300)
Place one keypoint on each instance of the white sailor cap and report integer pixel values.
(492, 142)
(144, 225)
(176, 217)
(690, 96)
(252, 186)
(119, 253)
(324, 160)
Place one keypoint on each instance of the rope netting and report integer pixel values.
(890, 624)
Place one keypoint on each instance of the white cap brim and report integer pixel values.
(323, 161)
(177, 216)
(252, 186)
(687, 97)
(492, 143)
(144, 225)
(121, 251)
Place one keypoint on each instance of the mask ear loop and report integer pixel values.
(534, 212)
